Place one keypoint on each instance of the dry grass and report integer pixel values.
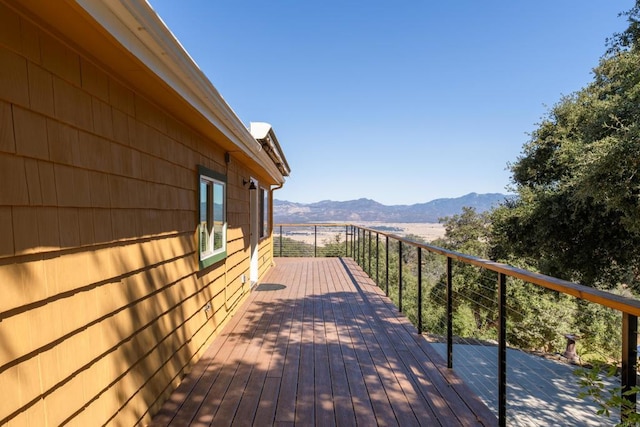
(427, 231)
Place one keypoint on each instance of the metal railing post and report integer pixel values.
(346, 240)
(364, 250)
(280, 241)
(400, 275)
(359, 250)
(502, 350)
(360, 255)
(353, 241)
(449, 314)
(315, 241)
(356, 244)
(364, 254)
(628, 376)
(369, 252)
(419, 290)
(386, 265)
(377, 258)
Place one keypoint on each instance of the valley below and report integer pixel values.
(429, 231)
(425, 231)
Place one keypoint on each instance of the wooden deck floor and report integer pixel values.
(317, 343)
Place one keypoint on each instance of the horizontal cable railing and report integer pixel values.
(311, 240)
(481, 312)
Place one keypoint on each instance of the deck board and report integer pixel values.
(317, 343)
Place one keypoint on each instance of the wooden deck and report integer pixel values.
(317, 343)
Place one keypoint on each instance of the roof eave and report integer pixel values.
(264, 133)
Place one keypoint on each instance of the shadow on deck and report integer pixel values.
(317, 343)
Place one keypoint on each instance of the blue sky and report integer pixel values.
(400, 102)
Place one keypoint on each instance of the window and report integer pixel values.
(212, 232)
(264, 212)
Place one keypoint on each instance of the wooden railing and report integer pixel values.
(367, 245)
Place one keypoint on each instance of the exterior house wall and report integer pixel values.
(102, 304)
(265, 258)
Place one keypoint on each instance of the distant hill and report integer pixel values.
(370, 210)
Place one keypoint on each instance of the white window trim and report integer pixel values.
(264, 208)
(211, 255)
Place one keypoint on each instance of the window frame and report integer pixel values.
(263, 211)
(212, 179)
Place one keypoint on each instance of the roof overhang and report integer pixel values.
(130, 39)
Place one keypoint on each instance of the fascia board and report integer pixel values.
(278, 150)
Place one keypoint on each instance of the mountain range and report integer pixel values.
(370, 210)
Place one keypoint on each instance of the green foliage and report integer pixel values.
(538, 318)
(601, 329)
(610, 401)
(334, 247)
(578, 183)
(629, 38)
(464, 321)
(434, 313)
(474, 290)
(467, 232)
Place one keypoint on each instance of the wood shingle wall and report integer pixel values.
(101, 300)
